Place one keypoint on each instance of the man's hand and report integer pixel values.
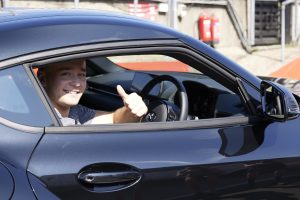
(132, 111)
(133, 102)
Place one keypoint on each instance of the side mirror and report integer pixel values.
(278, 103)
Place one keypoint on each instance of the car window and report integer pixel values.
(19, 102)
(208, 96)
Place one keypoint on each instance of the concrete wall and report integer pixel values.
(188, 23)
(64, 4)
(240, 7)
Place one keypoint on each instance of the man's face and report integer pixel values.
(65, 83)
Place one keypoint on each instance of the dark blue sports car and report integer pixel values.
(212, 131)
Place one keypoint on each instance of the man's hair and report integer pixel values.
(45, 69)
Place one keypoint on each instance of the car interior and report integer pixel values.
(169, 83)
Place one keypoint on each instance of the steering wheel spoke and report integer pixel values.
(162, 110)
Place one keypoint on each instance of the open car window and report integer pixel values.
(207, 97)
(209, 94)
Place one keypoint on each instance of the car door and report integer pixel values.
(144, 161)
(223, 158)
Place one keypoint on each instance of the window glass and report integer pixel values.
(19, 101)
(6, 103)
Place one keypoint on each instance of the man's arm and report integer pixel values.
(132, 111)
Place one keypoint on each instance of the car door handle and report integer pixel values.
(109, 177)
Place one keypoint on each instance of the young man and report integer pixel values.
(65, 83)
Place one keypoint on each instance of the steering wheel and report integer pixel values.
(163, 110)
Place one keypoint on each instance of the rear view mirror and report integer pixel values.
(278, 103)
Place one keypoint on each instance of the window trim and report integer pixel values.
(138, 50)
(21, 127)
(77, 50)
(213, 123)
(129, 50)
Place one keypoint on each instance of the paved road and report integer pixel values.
(264, 60)
(290, 70)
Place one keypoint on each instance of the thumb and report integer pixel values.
(121, 92)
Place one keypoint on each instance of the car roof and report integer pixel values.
(24, 31)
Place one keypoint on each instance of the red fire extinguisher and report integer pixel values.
(204, 27)
(215, 30)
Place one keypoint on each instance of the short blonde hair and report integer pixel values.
(44, 70)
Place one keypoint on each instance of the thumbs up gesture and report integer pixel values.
(133, 102)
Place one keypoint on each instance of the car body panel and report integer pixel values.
(40, 189)
(17, 144)
(6, 183)
(22, 187)
(27, 139)
(179, 164)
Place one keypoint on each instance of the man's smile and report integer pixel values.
(72, 91)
